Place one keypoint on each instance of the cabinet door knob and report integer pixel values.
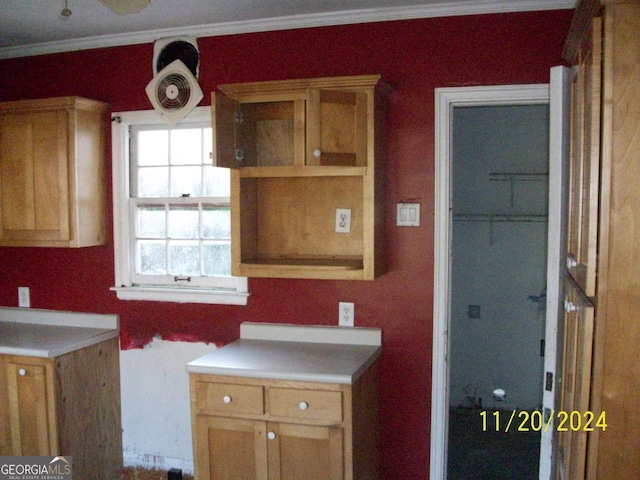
(22, 372)
(303, 405)
(271, 435)
(226, 399)
(317, 152)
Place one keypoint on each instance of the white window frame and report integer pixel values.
(124, 287)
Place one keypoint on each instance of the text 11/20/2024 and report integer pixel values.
(525, 421)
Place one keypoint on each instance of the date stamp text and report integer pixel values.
(536, 421)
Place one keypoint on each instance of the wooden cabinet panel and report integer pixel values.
(301, 150)
(67, 405)
(229, 448)
(606, 136)
(31, 406)
(305, 404)
(576, 379)
(584, 201)
(52, 179)
(308, 430)
(303, 451)
(228, 398)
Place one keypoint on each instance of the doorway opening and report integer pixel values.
(492, 323)
(499, 167)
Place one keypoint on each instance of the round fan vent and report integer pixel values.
(173, 91)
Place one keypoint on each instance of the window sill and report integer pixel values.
(182, 295)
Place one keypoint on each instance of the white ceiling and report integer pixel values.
(32, 27)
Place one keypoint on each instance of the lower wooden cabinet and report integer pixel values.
(67, 405)
(247, 428)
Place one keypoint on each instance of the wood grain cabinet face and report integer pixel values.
(52, 179)
(30, 407)
(299, 150)
(67, 405)
(584, 191)
(603, 46)
(304, 430)
(576, 378)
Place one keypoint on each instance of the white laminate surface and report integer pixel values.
(48, 334)
(329, 361)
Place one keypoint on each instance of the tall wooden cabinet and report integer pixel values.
(52, 172)
(304, 153)
(602, 333)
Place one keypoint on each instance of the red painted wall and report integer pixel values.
(415, 56)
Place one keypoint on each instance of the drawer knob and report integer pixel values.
(22, 372)
(317, 153)
(303, 405)
(226, 399)
(271, 435)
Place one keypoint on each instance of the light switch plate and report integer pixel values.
(408, 215)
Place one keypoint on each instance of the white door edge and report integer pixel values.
(559, 108)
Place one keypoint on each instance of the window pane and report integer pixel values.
(216, 222)
(153, 182)
(153, 147)
(186, 147)
(151, 221)
(216, 182)
(183, 222)
(153, 258)
(184, 257)
(186, 181)
(216, 257)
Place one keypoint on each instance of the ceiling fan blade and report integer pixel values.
(125, 7)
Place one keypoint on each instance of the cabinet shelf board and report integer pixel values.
(267, 172)
(310, 262)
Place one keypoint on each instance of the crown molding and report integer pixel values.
(448, 9)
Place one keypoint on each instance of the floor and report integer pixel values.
(479, 453)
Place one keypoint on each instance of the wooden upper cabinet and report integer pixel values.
(300, 151)
(52, 179)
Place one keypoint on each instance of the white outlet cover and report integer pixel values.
(343, 220)
(346, 314)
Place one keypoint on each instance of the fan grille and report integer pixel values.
(173, 91)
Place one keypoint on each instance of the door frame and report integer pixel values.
(445, 100)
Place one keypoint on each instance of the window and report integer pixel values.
(171, 212)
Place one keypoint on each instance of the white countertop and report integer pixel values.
(295, 352)
(51, 333)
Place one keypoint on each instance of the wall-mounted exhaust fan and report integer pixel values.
(174, 92)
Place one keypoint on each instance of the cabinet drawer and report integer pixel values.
(305, 404)
(229, 398)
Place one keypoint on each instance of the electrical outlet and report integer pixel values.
(24, 299)
(346, 314)
(343, 220)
